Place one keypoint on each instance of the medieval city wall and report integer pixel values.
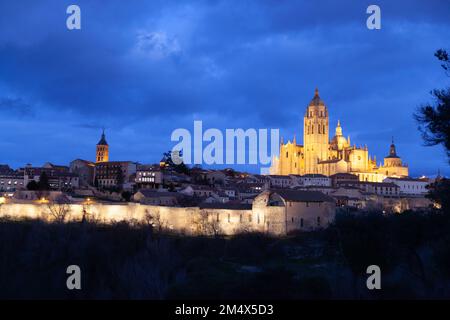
(190, 220)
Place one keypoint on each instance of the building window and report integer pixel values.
(318, 221)
(301, 222)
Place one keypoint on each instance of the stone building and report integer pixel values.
(409, 186)
(114, 174)
(148, 196)
(85, 171)
(149, 176)
(11, 181)
(294, 210)
(59, 177)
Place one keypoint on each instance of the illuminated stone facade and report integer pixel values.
(274, 212)
(102, 150)
(320, 155)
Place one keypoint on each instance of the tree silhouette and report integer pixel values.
(434, 119)
(43, 182)
(434, 124)
(177, 166)
(32, 186)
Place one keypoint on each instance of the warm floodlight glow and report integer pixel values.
(43, 200)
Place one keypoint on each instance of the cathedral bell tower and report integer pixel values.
(102, 154)
(315, 133)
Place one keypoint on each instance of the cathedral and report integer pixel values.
(320, 155)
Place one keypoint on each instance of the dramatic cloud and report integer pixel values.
(145, 68)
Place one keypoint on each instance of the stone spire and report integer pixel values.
(316, 101)
(102, 141)
(392, 151)
(339, 129)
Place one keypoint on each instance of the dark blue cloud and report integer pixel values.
(145, 68)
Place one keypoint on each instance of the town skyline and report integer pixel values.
(232, 158)
(239, 167)
(160, 66)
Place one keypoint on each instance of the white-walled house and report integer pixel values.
(311, 180)
(280, 181)
(410, 186)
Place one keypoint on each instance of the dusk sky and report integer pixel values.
(142, 69)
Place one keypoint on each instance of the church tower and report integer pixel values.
(102, 154)
(393, 166)
(315, 133)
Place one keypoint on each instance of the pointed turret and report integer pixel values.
(392, 150)
(339, 129)
(102, 152)
(316, 101)
(102, 141)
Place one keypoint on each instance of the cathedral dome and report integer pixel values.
(392, 151)
(338, 143)
(316, 101)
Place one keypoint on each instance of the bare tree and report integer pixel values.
(153, 220)
(59, 209)
(206, 224)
